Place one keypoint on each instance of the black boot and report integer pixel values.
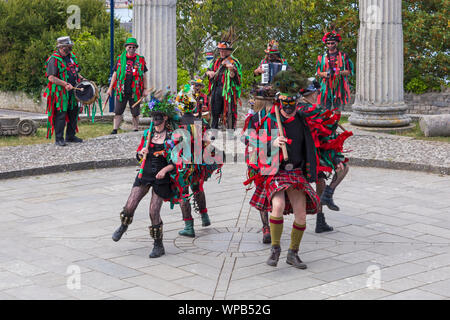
(327, 199)
(274, 256)
(294, 260)
(321, 225)
(126, 220)
(156, 232)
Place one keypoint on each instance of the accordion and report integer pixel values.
(270, 70)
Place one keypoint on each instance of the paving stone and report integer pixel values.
(164, 287)
(198, 283)
(166, 272)
(343, 272)
(10, 280)
(36, 293)
(110, 268)
(363, 294)
(138, 293)
(432, 276)
(414, 294)
(401, 271)
(441, 288)
(307, 294)
(400, 285)
(104, 282)
(437, 261)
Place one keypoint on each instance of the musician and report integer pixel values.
(129, 79)
(284, 189)
(156, 175)
(224, 75)
(273, 55)
(63, 75)
(202, 106)
(334, 67)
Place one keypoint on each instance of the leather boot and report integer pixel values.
(274, 256)
(205, 219)
(188, 230)
(266, 235)
(321, 225)
(294, 260)
(156, 233)
(327, 199)
(126, 220)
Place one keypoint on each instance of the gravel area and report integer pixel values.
(120, 149)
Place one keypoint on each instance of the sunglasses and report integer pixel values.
(331, 43)
(132, 47)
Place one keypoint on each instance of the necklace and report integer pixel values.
(159, 134)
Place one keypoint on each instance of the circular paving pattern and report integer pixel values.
(234, 242)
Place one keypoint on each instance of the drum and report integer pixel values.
(86, 92)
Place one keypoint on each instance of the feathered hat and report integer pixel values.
(185, 99)
(289, 83)
(272, 47)
(197, 81)
(228, 38)
(332, 35)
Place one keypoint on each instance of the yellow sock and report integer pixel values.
(276, 229)
(296, 235)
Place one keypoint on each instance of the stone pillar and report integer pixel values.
(154, 27)
(379, 84)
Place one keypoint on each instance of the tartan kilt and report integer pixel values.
(265, 191)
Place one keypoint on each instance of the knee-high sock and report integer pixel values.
(276, 229)
(296, 235)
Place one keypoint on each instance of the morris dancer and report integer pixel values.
(329, 146)
(285, 189)
(63, 74)
(130, 82)
(224, 75)
(262, 106)
(202, 109)
(334, 68)
(156, 174)
(189, 170)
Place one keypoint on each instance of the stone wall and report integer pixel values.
(22, 102)
(427, 103)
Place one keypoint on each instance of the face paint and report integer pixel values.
(158, 119)
(289, 107)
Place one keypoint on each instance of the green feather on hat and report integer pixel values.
(289, 83)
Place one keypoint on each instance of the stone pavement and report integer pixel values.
(391, 241)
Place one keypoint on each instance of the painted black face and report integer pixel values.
(158, 119)
(289, 107)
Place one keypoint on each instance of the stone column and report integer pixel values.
(379, 84)
(154, 27)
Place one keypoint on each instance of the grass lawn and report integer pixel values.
(86, 131)
(416, 133)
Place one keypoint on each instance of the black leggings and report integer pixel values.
(136, 195)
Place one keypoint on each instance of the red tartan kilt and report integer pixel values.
(261, 199)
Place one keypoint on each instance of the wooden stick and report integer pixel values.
(107, 99)
(149, 134)
(137, 102)
(281, 134)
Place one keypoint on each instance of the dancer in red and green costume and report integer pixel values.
(192, 169)
(334, 67)
(224, 75)
(130, 83)
(202, 105)
(62, 71)
(284, 187)
(332, 162)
